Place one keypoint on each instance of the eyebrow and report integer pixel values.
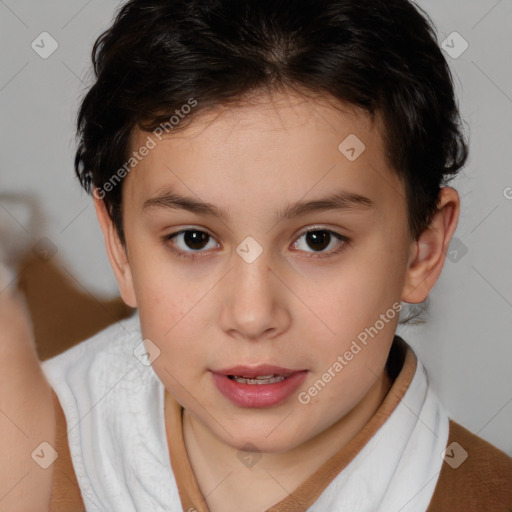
(342, 200)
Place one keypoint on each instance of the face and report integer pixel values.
(299, 248)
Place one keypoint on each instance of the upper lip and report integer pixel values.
(256, 371)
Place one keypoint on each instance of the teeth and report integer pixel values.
(263, 379)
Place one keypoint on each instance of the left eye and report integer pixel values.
(320, 239)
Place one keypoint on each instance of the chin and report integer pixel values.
(267, 439)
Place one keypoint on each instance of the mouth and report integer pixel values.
(261, 379)
(260, 386)
(264, 371)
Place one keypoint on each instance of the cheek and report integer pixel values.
(181, 357)
(355, 312)
(340, 386)
(356, 294)
(173, 311)
(170, 318)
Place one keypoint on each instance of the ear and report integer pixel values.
(428, 252)
(117, 254)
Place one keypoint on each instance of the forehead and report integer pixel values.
(271, 148)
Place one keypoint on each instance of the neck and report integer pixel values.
(211, 459)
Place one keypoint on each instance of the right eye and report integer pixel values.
(194, 239)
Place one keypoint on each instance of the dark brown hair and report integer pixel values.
(379, 55)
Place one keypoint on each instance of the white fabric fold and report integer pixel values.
(397, 470)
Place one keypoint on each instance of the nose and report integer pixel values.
(254, 303)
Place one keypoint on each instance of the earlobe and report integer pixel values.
(117, 254)
(428, 252)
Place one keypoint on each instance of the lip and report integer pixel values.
(258, 395)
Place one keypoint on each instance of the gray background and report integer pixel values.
(466, 342)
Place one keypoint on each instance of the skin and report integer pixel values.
(26, 405)
(295, 305)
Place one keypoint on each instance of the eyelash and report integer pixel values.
(192, 255)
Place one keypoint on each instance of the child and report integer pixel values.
(222, 141)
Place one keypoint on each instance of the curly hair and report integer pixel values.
(381, 56)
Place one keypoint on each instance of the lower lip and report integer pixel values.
(258, 395)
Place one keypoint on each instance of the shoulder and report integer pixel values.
(79, 377)
(74, 372)
(475, 475)
(66, 496)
